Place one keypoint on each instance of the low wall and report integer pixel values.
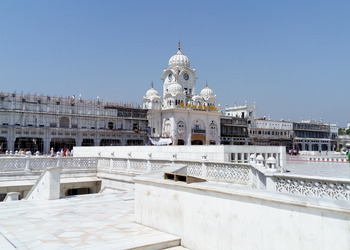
(215, 153)
(213, 215)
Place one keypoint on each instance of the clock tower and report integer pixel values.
(183, 117)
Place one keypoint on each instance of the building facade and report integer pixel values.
(314, 136)
(271, 133)
(180, 116)
(39, 123)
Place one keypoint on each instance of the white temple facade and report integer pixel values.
(180, 116)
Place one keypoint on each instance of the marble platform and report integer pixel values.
(95, 221)
(298, 165)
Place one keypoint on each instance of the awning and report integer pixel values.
(161, 141)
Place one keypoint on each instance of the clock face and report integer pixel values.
(170, 77)
(186, 76)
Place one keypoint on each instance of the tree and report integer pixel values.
(341, 131)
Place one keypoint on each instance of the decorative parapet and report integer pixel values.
(319, 188)
(263, 176)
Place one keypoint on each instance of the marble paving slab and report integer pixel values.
(95, 221)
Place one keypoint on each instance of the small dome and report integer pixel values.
(151, 92)
(197, 97)
(175, 88)
(271, 160)
(179, 60)
(260, 158)
(207, 92)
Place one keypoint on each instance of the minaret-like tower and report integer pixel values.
(178, 81)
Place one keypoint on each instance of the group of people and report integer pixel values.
(62, 152)
(21, 152)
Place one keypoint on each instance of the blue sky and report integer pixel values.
(290, 57)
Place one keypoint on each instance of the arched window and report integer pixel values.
(110, 125)
(212, 128)
(181, 127)
(64, 122)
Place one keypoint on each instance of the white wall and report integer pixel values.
(217, 216)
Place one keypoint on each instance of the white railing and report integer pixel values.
(20, 164)
(250, 175)
(12, 164)
(320, 188)
(335, 159)
(229, 172)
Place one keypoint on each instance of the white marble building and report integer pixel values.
(181, 116)
(244, 111)
(39, 123)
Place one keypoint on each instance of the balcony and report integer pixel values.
(198, 131)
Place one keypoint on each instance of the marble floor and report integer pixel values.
(297, 165)
(95, 221)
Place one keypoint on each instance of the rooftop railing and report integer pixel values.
(258, 173)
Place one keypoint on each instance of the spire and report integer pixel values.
(152, 84)
(206, 84)
(179, 45)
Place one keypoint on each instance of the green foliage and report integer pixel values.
(341, 131)
(347, 131)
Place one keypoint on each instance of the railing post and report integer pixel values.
(28, 158)
(149, 166)
(128, 165)
(204, 166)
(204, 170)
(59, 157)
(110, 164)
(174, 158)
(270, 180)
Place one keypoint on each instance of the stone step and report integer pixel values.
(154, 241)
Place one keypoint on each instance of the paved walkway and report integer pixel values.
(96, 221)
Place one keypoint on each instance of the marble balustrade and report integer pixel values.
(239, 173)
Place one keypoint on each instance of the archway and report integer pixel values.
(61, 143)
(180, 142)
(87, 142)
(3, 144)
(109, 142)
(324, 147)
(64, 122)
(31, 144)
(197, 142)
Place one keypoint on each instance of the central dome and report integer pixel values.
(179, 60)
(175, 88)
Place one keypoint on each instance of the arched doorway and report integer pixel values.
(197, 142)
(31, 144)
(3, 144)
(62, 143)
(180, 142)
(87, 142)
(109, 142)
